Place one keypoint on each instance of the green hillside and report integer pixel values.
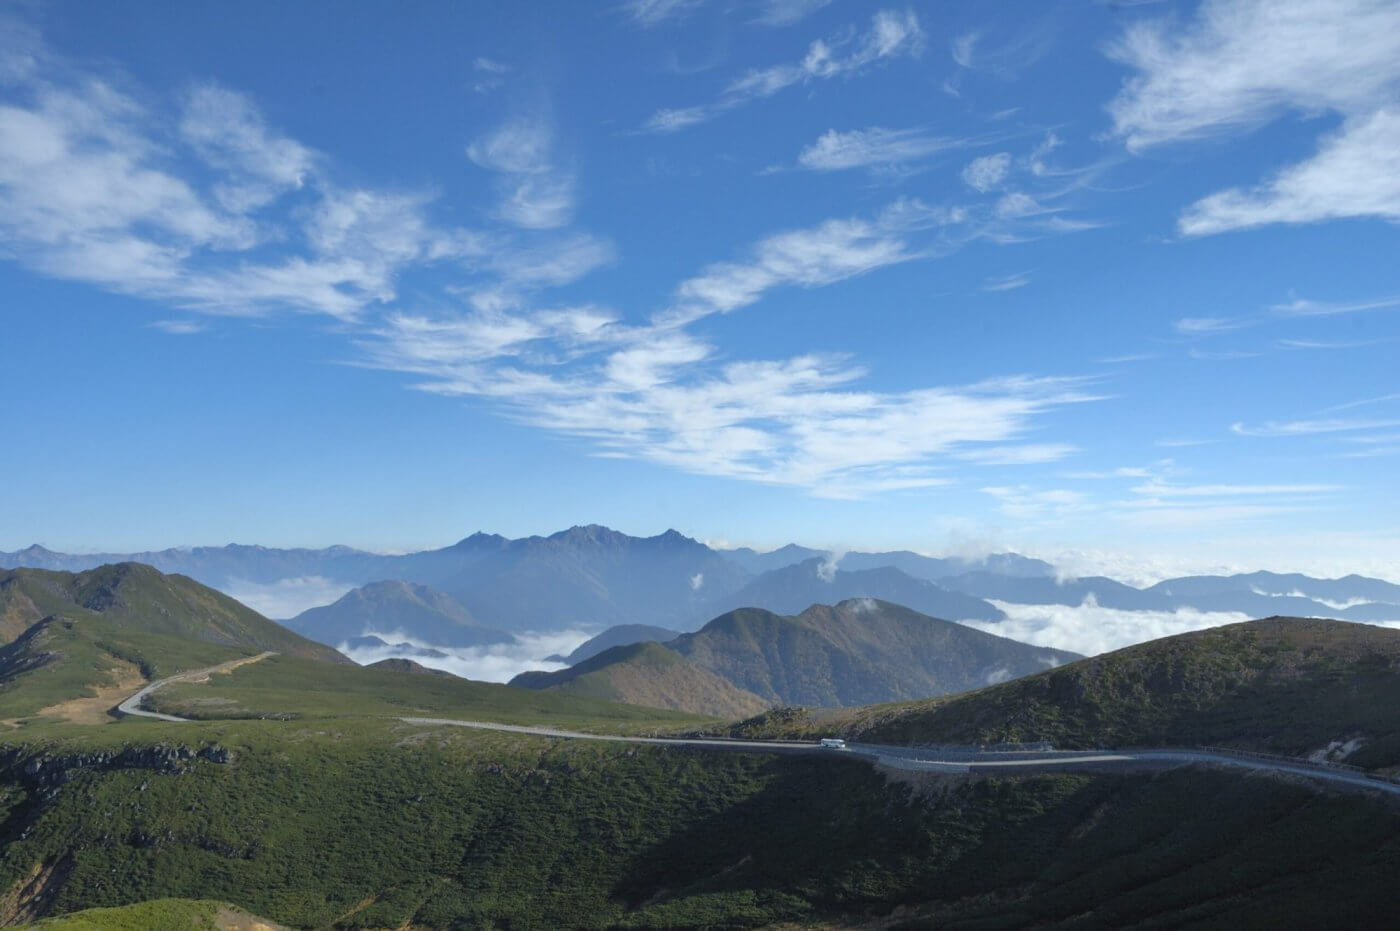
(387, 825)
(648, 674)
(78, 667)
(158, 915)
(1287, 685)
(857, 652)
(137, 597)
(294, 688)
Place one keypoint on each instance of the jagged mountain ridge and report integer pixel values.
(592, 577)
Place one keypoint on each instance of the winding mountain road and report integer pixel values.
(908, 759)
(918, 759)
(132, 705)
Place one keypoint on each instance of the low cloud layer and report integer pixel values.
(497, 663)
(1090, 629)
(286, 597)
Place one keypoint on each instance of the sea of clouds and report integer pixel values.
(1090, 629)
(286, 598)
(496, 663)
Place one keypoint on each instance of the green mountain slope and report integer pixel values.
(90, 638)
(139, 598)
(77, 667)
(296, 688)
(387, 825)
(1287, 685)
(859, 651)
(652, 675)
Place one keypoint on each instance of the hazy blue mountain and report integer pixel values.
(403, 608)
(860, 651)
(592, 577)
(758, 563)
(794, 588)
(1259, 594)
(620, 636)
(221, 566)
(935, 569)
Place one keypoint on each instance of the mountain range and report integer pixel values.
(591, 578)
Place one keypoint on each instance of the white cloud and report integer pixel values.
(656, 12)
(98, 187)
(178, 327)
(986, 173)
(1007, 282)
(1312, 427)
(891, 34)
(1160, 489)
(229, 133)
(875, 147)
(490, 65)
(821, 255)
(495, 663)
(1356, 173)
(963, 48)
(787, 12)
(1302, 307)
(286, 598)
(1242, 63)
(1025, 454)
(1025, 503)
(1090, 629)
(1199, 326)
(535, 192)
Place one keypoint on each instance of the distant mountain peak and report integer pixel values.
(479, 538)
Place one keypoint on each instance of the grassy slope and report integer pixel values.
(375, 824)
(139, 597)
(63, 658)
(1282, 684)
(648, 674)
(158, 915)
(287, 686)
(90, 631)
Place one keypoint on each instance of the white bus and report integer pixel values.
(833, 743)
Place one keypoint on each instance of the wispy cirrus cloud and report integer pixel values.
(1239, 64)
(1201, 326)
(787, 12)
(1007, 282)
(1303, 307)
(649, 13)
(535, 192)
(875, 148)
(1312, 427)
(891, 34)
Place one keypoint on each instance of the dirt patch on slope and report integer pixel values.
(93, 709)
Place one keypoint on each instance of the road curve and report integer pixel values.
(132, 705)
(916, 759)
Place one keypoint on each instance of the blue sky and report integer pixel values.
(1115, 283)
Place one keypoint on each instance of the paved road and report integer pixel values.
(132, 706)
(914, 759)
